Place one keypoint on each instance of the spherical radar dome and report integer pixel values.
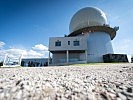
(86, 17)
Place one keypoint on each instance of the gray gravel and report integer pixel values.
(95, 82)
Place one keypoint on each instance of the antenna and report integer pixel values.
(116, 28)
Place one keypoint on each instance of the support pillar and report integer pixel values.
(67, 54)
(86, 56)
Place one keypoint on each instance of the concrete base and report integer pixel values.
(115, 58)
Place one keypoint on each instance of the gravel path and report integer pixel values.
(95, 82)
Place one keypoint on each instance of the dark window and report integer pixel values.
(58, 43)
(76, 43)
(68, 42)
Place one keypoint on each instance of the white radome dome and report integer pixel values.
(89, 16)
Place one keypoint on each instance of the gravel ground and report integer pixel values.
(95, 82)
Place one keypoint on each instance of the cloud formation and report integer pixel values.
(40, 47)
(38, 51)
(1, 44)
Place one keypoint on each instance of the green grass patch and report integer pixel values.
(88, 64)
(94, 64)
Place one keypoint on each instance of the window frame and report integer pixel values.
(68, 42)
(58, 43)
(76, 43)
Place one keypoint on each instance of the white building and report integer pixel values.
(89, 39)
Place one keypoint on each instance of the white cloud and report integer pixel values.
(24, 53)
(1, 44)
(33, 54)
(15, 51)
(40, 47)
(39, 52)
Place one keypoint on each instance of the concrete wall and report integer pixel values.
(64, 43)
(115, 58)
(98, 44)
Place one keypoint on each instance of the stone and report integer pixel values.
(14, 89)
(1, 89)
(122, 96)
(2, 95)
(17, 83)
(79, 83)
(104, 95)
(129, 89)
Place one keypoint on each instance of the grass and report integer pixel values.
(94, 64)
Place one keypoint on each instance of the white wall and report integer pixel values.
(64, 43)
(98, 44)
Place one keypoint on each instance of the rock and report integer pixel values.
(91, 96)
(111, 95)
(14, 89)
(129, 89)
(65, 75)
(27, 87)
(122, 96)
(67, 83)
(1, 89)
(2, 95)
(104, 95)
(87, 77)
(17, 83)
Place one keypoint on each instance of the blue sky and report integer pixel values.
(26, 25)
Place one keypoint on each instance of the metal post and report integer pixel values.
(4, 63)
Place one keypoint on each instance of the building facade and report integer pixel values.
(89, 39)
(68, 49)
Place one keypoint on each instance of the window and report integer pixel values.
(76, 43)
(58, 43)
(68, 42)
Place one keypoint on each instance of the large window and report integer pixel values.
(76, 43)
(58, 43)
